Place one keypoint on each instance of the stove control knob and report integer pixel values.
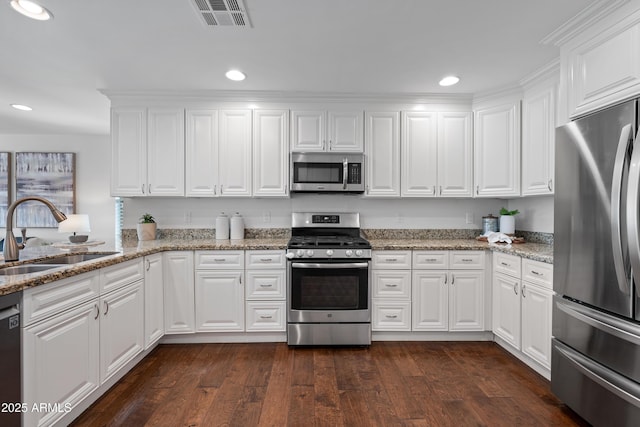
(358, 252)
(290, 255)
(329, 252)
(348, 252)
(309, 253)
(299, 253)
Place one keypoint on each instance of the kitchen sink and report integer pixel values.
(75, 258)
(26, 269)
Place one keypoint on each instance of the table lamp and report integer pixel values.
(75, 223)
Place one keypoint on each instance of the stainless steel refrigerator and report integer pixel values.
(595, 367)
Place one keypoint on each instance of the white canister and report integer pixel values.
(237, 227)
(222, 227)
(508, 224)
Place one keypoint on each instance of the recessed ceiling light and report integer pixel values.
(449, 81)
(235, 75)
(31, 9)
(21, 107)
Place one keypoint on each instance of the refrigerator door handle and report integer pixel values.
(626, 138)
(632, 213)
(616, 384)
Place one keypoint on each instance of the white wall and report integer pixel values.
(536, 213)
(93, 153)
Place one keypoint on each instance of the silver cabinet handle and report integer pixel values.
(391, 316)
(434, 190)
(106, 308)
(219, 259)
(148, 265)
(149, 188)
(265, 260)
(467, 260)
(524, 287)
(142, 188)
(215, 190)
(265, 285)
(391, 285)
(536, 273)
(97, 307)
(515, 288)
(431, 260)
(266, 317)
(477, 190)
(549, 185)
(453, 279)
(445, 279)
(441, 190)
(391, 259)
(505, 264)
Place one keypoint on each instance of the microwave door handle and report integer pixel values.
(345, 173)
(620, 165)
(632, 212)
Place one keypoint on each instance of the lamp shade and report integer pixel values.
(75, 223)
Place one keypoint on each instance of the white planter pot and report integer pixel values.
(146, 231)
(508, 224)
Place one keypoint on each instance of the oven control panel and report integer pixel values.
(325, 219)
(329, 253)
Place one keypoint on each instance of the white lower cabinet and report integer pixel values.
(391, 291)
(265, 291)
(522, 306)
(153, 300)
(448, 300)
(179, 313)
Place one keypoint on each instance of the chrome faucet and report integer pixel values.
(11, 249)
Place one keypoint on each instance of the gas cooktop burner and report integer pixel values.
(341, 242)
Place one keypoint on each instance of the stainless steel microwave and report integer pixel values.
(327, 172)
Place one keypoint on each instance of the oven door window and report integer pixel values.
(317, 173)
(329, 289)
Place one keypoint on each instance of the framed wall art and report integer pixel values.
(5, 177)
(48, 175)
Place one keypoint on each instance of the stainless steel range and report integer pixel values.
(328, 281)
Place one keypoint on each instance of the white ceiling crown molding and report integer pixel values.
(552, 69)
(286, 96)
(513, 90)
(595, 12)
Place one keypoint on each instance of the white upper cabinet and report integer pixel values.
(538, 139)
(455, 154)
(235, 152)
(201, 153)
(602, 66)
(419, 154)
(326, 131)
(382, 148)
(270, 153)
(436, 154)
(147, 152)
(497, 150)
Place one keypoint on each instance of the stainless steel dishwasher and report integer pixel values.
(10, 361)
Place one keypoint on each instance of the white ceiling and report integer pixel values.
(351, 46)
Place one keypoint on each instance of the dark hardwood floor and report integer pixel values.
(387, 384)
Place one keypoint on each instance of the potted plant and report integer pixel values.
(147, 227)
(508, 221)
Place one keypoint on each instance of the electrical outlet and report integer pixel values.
(187, 217)
(266, 216)
(469, 216)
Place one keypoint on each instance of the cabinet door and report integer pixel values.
(128, 152)
(430, 298)
(455, 155)
(61, 357)
(270, 153)
(179, 300)
(497, 150)
(165, 152)
(235, 153)
(382, 147)
(466, 300)
(308, 131)
(121, 328)
(536, 323)
(219, 301)
(506, 309)
(153, 300)
(345, 131)
(538, 141)
(419, 154)
(201, 152)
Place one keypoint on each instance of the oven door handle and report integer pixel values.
(330, 265)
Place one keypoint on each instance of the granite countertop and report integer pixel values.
(10, 284)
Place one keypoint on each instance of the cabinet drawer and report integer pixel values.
(466, 260)
(264, 259)
(430, 260)
(391, 316)
(265, 316)
(212, 260)
(391, 284)
(45, 301)
(267, 285)
(391, 260)
(118, 275)
(506, 264)
(537, 272)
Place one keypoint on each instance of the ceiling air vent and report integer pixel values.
(222, 13)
